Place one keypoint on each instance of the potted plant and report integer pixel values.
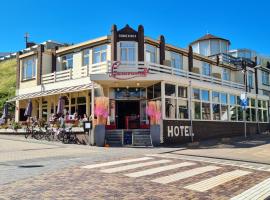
(154, 113)
(101, 113)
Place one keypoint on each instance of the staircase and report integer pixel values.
(114, 137)
(140, 137)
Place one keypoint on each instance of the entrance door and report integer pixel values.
(128, 114)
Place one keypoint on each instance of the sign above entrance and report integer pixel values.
(121, 72)
(127, 34)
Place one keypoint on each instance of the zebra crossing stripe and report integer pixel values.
(159, 169)
(216, 181)
(134, 166)
(184, 174)
(259, 191)
(116, 162)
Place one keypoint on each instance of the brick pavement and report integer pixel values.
(78, 183)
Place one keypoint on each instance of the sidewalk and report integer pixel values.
(255, 149)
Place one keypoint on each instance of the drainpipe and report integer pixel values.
(190, 111)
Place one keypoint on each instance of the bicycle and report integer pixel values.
(31, 131)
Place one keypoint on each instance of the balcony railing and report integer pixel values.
(153, 68)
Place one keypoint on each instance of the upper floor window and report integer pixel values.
(85, 57)
(100, 54)
(265, 78)
(128, 51)
(151, 54)
(67, 61)
(206, 69)
(250, 79)
(204, 48)
(176, 60)
(29, 68)
(226, 74)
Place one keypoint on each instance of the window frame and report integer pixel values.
(25, 66)
(99, 50)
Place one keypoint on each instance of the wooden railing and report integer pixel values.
(105, 68)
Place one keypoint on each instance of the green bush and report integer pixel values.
(8, 83)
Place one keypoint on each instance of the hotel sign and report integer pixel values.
(127, 34)
(175, 131)
(118, 71)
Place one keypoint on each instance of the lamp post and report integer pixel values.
(190, 111)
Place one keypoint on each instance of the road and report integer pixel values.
(32, 169)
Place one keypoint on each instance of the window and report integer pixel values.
(176, 60)
(206, 69)
(29, 68)
(196, 110)
(150, 92)
(170, 106)
(223, 98)
(250, 79)
(182, 109)
(205, 95)
(196, 94)
(206, 111)
(216, 105)
(204, 48)
(99, 54)
(216, 111)
(127, 51)
(151, 54)
(232, 100)
(182, 92)
(233, 111)
(224, 112)
(262, 111)
(265, 78)
(215, 47)
(157, 90)
(85, 58)
(240, 113)
(170, 90)
(226, 74)
(67, 61)
(215, 97)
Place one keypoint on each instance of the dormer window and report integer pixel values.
(29, 68)
(67, 61)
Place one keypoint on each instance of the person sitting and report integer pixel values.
(85, 118)
(76, 117)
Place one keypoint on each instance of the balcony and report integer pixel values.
(76, 73)
(153, 68)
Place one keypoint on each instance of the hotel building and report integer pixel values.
(199, 86)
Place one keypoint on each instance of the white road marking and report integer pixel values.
(134, 166)
(256, 166)
(159, 169)
(184, 174)
(116, 162)
(210, 183)
(258, 192)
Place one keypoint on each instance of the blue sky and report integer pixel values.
(245, 23)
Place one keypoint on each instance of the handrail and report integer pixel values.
(154, 68)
